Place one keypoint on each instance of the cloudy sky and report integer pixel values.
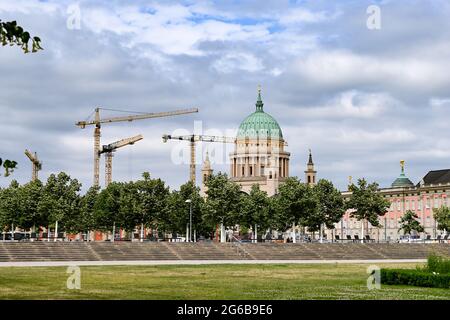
(361, 99)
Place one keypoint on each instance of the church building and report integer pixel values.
(259, 156)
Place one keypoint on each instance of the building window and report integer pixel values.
(262, 170)
(419, 205)
(398, 205)
(413, 205)
(428, 203)
(309, 179)
(243, 171)
(407, 204)
(251, 170)
(436, 202)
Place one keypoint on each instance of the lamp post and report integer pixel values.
(190, 218)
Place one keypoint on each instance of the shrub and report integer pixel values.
(438, 264)
(420, 278)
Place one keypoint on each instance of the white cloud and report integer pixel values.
(238, 61)
(350, 104)
(344, 67)
(171, 29)
(27, 6)
(301, 15)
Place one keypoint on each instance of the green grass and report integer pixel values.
(284, 281)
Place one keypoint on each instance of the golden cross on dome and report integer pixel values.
(402, 164)
(259, 88)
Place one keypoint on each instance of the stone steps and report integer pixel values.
(105, 251)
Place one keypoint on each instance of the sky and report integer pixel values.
(361, 98)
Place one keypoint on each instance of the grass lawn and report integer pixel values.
(281, 281)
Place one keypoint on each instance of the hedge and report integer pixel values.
(438, 264)
(413, 277)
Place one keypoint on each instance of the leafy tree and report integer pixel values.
(129, 206)
(367, 203)
(30, 196)
(8, 166)
(12, 34)
(409, 223)
(60, 202)
(222, 204)
(442, 217)
(330, 206)
(87, 210)
(10, 206)
(294, 203)
(179, 210)
(152, 196)
(107, 207)
(255, 210)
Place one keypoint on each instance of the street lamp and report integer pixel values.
(190, 218)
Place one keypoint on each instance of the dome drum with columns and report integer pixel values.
(259, 156)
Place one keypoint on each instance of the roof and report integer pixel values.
(259, 124)
(437, 177)
(402, 181)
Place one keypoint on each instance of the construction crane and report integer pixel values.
(193, 139)
(98, 121)
(112, 147)
(36, 164)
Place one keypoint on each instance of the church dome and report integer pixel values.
(402, 181)
(259, 124)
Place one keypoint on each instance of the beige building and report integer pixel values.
(259, 156)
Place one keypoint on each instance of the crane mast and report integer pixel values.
(98, 121)
(193, 139)
(36, 164)
(112, 147)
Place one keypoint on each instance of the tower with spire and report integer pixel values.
(206, 172)
(310, 173)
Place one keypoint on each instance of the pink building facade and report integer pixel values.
(433, 191)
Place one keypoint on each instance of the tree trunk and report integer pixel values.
(12, 231)
(113, 232)
(142, 232)
(321, 234)
(187, 232)
(362, 231)
(195, 235)
(48, 233)
(56, 232)
(256, 234)
(223, 236)
(294, 238)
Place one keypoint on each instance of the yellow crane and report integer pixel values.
(193, 139)
(112, 147)
(36, 164)
(98, 121)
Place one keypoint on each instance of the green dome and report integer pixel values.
(402, 181)
(259, 124)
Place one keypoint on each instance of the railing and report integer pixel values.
(237, 243)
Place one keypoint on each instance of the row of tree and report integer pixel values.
(148, 203)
